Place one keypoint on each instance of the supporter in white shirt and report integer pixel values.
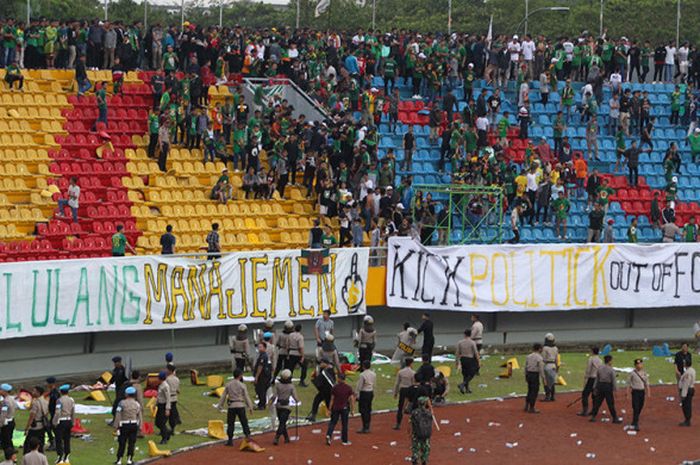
(528, 49)
(569, 49)
(514, 49)
(531, 181)
(669, 62)
(615, 81)
(482, 123)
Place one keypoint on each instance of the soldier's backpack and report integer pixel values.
(422, 423)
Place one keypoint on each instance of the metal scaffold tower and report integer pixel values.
(467, 214)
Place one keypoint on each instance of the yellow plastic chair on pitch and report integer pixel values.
(153, 450)
(215, 429)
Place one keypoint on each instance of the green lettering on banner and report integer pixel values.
(56, 320)
(103, 302)
(10, 325)
(83, 298)
(133, 298)
(41, 323)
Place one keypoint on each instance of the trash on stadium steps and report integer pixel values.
(393, 443)
(271, 458)
(573, 435)
(444, 422)
(467, 420)
(511, 445)
(375, 447)
(646, 439)
(460, 449)
(631, 432)
(653, 449)
(336, 455)
(520, 425)
(590, 455)
(471, 449)
(670, 398)
(458, 433)
(579, 442)
(316, 431)
(493, 423)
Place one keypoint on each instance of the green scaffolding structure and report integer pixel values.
(462, 224)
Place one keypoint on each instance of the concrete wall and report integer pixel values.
(38, 357)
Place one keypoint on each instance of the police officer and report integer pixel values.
(534, 370)
(163, 407)
(406, 345)
(282, 355)
(550, 355)
(296, 354)
(467, 357)
(174, 385)
(477, 331)
(604, 387)
(687, 390)
(270, 348)
(323, 380)
(52, 395)
(119, 379)
(639, 386)
(38, 413)
(240, 348)
(7, 416)
(365, 393)
(127, 423)
(263, 375)
(268, 327)
(366, 339)
(237, 401)
(403, 389)
(329, 351)
(589, 377)
(63, 422)
(135, 382)
(282, 392)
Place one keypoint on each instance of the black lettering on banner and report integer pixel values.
(696, 256)
(617, 275)
(638, 267)
(450, 276)
(678, 271)
(425, 271)
(399, 265)
(656, 278)
(418, 275)
(666, 272)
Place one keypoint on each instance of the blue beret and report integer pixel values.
(130, 391)
(162, 375)
(116, 359)
(64, 388)
(267, 335)
(169, 357)
(6, 387)
(51, 380)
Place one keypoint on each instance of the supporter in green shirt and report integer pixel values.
(632, 232)
(690, 231)
(120, 244)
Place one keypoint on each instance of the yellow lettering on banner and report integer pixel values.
(155, 290)
(514, 281)
(197, 291)
(303, 285)
(531, 257)
(257, 285)
(281, 279)
(322, 285)
(216, 288)
(494, 257)
(474, 276)
(577, 252)
(599, 270)
(177, 290)
(552, 254)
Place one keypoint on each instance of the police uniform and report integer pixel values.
(365, 394)
(329, 351)
(34, 458)
(590, 375)
(468, 356)
(605, 385)
(163, 406)
(403, 387)
(63, 422)
(550, 355)
(638, 383)
(282, 346)
(174, 385)
(240, 349)
(406, 347)
(52, 396)
(477, 334)
(263, 377)
(267, 329)
(687, 391)
(283, 391)
(296, 354)
(128, 421)
(7, 417)
(236, 400)
(119, 379)
(366, 341)
(39, 414)
(534, 370)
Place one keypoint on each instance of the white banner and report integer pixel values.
(491, 278)
(157, 292)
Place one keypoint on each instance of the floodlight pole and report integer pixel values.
(29, 13)
(145, 14)
(374, 15)
(602, 8)
(221, 12)
(182, 12)
(678, 24)
(527, 14)
(298, 13)
(106, 10)
(449, 16)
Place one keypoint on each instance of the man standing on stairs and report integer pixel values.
(632, 157)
